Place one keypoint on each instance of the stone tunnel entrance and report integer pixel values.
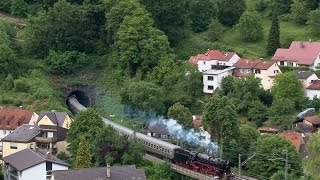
(85, 93)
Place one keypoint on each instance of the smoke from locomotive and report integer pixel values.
(189, 136)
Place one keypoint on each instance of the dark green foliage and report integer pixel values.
(228, 85)
(274, 36)
(268, 150)
(313, 160)
(229, 11)
(87, 123)
(257, 113)
(314, 22)
(278, 7)
(8, 83)
(288, 86)
(315, 103)
(144, 96)
(261, 5)
(5, 5)
(172, 17)
(66, 62)
(250, 26)
(312, 4)
(299, 11)
(247, 138)
(202, 11)
(141, 46)
(215, 30)
(65, 27)
(7, 59)
(19, 8)
(83, 158)
(21, 85)
(280, 176)
(134, 153)
(180, 113)
(160, 171)
(281, 110)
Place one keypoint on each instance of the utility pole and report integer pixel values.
(239, 165)
(286, 167)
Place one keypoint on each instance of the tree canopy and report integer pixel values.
(180, 113)
(229, 11)
(83, 158)
(250, 26)
(313, 160)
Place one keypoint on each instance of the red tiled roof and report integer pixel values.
(315, 85)
(301, 52)
(211, 55)
(245, 64)
(264, 65)
(315, 120)
(294, 137)
(10, 119)
(240, 74)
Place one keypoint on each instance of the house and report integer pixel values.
(313, 89)
(297, 139)
(214, 59)
(159, 130)
(127, 172)
(12, 118)
(54, 127)
(306, 77)
(20, 139)
(265, 70)
(300, 53)
(212, 79)
(313, 122)
(31, 164)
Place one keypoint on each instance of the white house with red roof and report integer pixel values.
(300, 53)
(212, 79)
(313, 89)
(265, 70)
(214, 59)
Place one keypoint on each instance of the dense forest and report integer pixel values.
(135, 53)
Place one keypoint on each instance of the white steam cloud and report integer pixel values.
(189, 136)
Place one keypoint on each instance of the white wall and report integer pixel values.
(286, 63)
(206, 65)
(311, 78)
(217, 78)
(316, 63)
(39, 172)
(235, 58)
(311, 93)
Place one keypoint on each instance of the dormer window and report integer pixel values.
(257, 71)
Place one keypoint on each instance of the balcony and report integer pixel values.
(46, 139)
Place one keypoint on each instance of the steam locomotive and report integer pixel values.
(189, 159)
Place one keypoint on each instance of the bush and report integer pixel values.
(66, 62)
(8, 83)
(250, 26)
(314, 22)
(261, 5)
(5, 5)
(215, 30)
(21, 85)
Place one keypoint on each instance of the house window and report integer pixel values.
(257, 71)
(4, 132)
(48, 166)
(210, 78)
(281, 63)
(204, 62)
(276, 71)
(13, 146)
(31, 146)
(210, 87)
(289, 63)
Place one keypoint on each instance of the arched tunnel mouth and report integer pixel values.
(81, 97)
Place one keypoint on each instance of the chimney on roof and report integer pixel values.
(48, 155)
(36, 149)
(261, 58)
(310, 40)
(20, 107)
(301, 44)
(108, 171)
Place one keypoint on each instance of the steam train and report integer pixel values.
(189, 159)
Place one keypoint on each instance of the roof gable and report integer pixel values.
(253, 64)
(11, 118)
(301, 52)
(24, 133)
(303, 74)
(294, 137)
(57, 118)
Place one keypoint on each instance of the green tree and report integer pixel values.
(250, 26)
(313, 160)
(268, 150)
(141, 46)
(134, 153)
(248, 136)
(314, 22)
(281, 110)
(202, 11)
(279, 7)
(215, 30)
(288, 86)
(312, 4)
(172, 17)
(144, 96)
(108, 147)
(5, 5)
(274, 36)
(257, 113)
(280, 176)
(19, 8)
(83, 158)
(229, 11)
(228, 85)
(299, 11)
(87, 123)
(66, 62)
(261, 5)
(159, 171)
(7, 59)
(219, 115)
(8, 83)
(180, 113)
